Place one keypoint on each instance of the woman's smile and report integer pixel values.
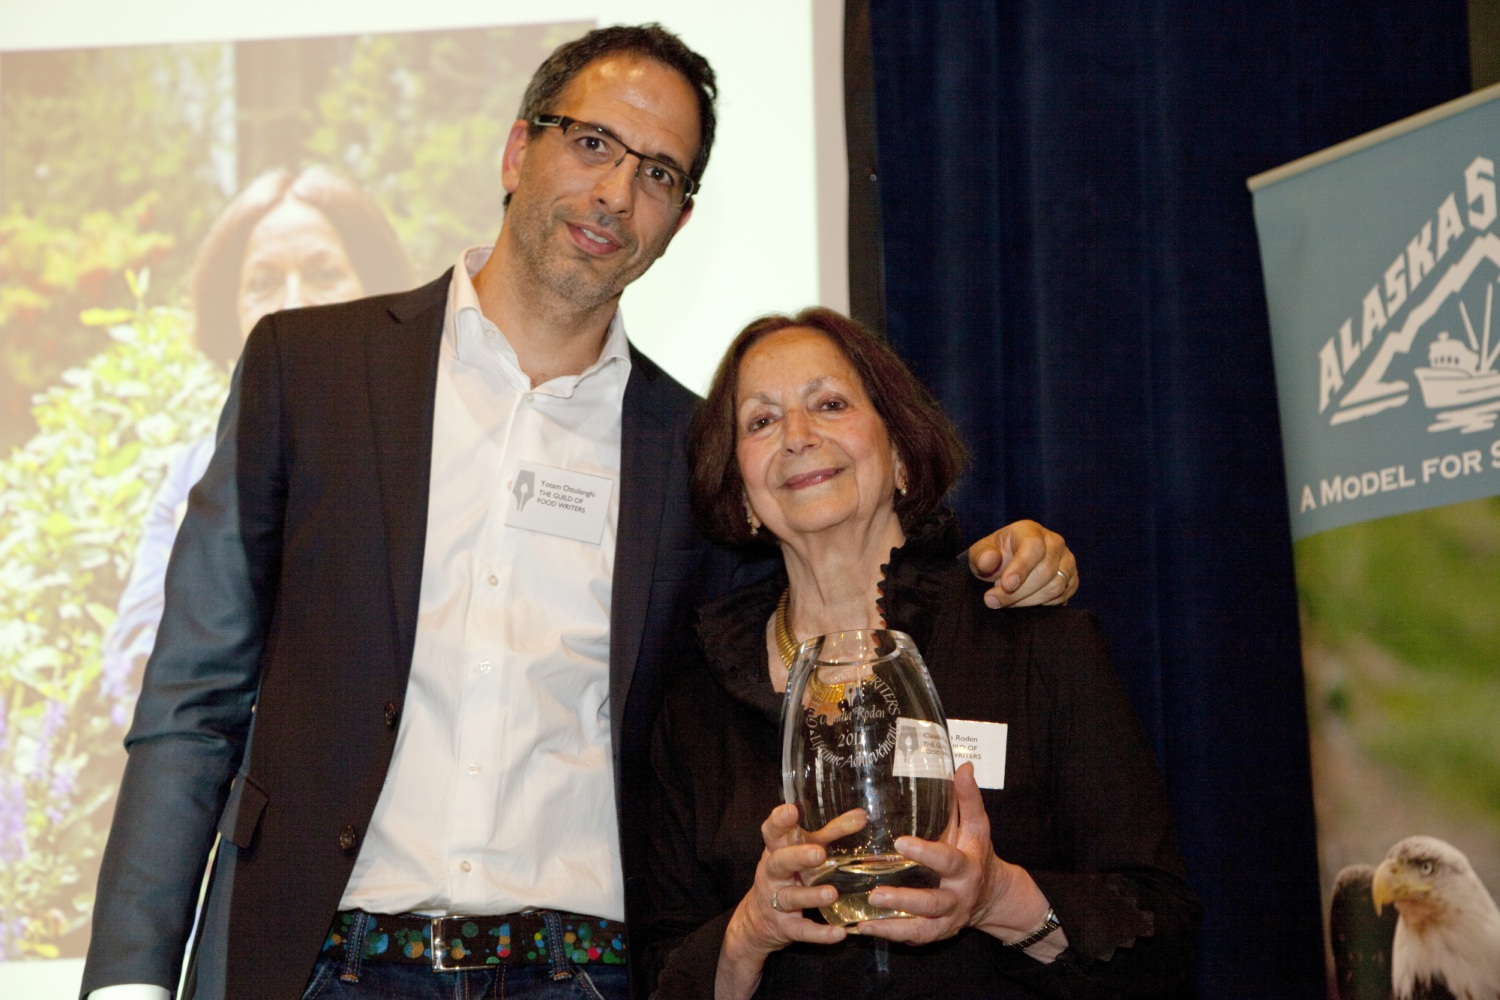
(807, 479)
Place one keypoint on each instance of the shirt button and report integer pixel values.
(390, 714)
(529, 397)
(484, 667)
(493, 580)
(348, 837)
(466, 867)
(474, 769)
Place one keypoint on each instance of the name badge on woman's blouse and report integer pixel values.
(983, 745)
(559, 502)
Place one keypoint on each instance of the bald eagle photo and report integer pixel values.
(1419, 926)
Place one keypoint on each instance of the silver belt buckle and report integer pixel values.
(440, 960)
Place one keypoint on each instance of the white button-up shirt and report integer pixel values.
(500, 795)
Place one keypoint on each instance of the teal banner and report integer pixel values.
(1380, 264)
(1381, 260)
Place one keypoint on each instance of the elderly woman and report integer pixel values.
(1060, 876)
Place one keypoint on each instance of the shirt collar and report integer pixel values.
(477, 341)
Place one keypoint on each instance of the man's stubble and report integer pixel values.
(564, 274)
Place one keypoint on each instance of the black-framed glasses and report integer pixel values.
(595, 146)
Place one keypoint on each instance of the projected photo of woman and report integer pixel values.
(286, 240)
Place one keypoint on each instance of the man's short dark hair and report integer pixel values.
(646, 41)
(931, 452)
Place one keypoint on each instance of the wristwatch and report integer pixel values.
(1048, 926)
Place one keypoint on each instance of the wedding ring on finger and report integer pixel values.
(1063, 576)
(776, 901)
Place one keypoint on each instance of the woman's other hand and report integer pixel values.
(977, 888)
(769, 917)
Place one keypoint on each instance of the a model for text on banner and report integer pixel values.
(1382, 268)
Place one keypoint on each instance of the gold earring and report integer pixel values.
(751, 519)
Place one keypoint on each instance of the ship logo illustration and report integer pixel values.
(1460, 379)
(1459, 385)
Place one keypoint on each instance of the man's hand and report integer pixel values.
(1027, 564)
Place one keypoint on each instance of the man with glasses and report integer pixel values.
(451, 690)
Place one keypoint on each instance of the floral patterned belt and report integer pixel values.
(455, 943)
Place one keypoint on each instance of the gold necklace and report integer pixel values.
(787, 645)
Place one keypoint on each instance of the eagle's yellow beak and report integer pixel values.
(1394, 882)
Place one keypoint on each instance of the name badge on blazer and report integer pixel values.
(559, 502)
(983, 744)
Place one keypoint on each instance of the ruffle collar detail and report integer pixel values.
(916, 583)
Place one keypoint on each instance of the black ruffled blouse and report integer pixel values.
(1082, 808)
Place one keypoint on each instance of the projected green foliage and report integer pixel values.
(383, 122)
(106, 162)
(49, 274)
(116, 162)
(72, 502)
(141, 148)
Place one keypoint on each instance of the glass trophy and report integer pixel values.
(862, 728)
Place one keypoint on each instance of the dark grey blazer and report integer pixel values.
(292, 603)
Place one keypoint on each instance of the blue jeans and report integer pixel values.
(359, 978)
(392, 981)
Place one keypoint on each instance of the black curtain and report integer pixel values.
(1070, 261)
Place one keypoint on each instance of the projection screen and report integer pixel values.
(133, 140)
